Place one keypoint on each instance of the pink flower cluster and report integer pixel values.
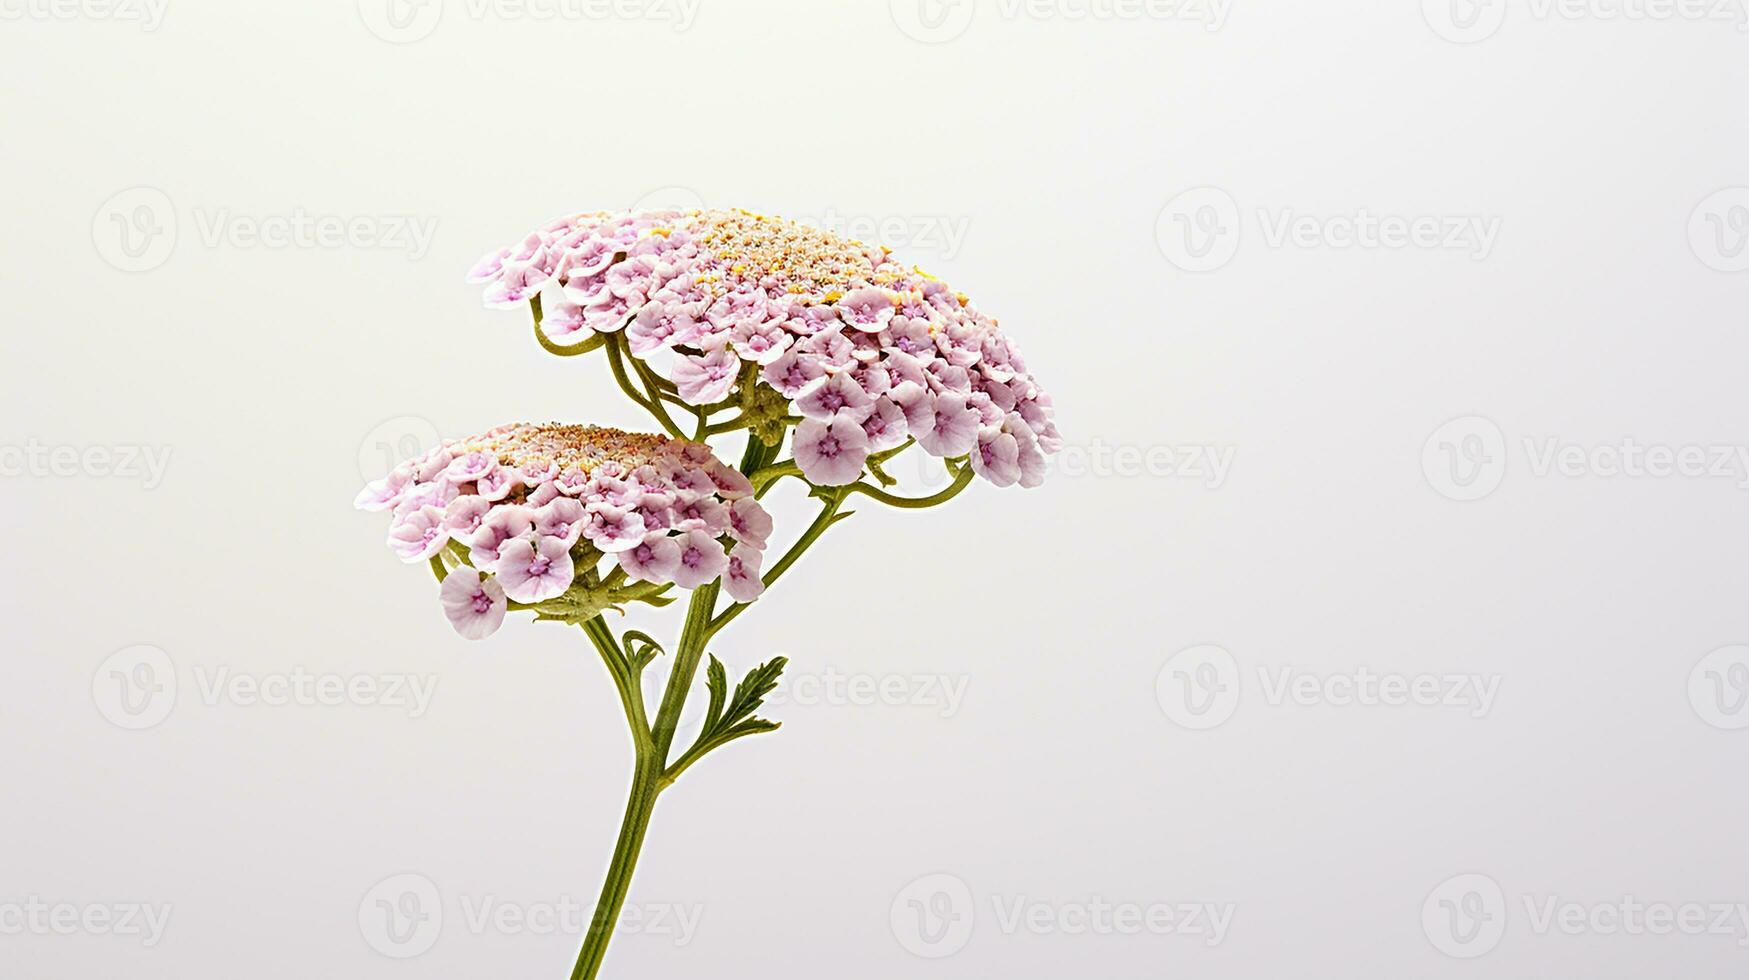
(869, 353)
(527, 509)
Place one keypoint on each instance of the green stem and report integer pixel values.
(829, 516)
(563, 350)
(961, 480)
(616, 361)
(646, 784)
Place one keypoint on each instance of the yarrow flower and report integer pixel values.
(530, 513)
(800, 340)
(839, 329)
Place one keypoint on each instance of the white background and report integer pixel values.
(1056, 149)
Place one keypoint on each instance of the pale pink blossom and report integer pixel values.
(749, 522)
(535, 571)
(653, 560)
(840, 393)
(614, 529)
(702, 560)
(502, 526)
(706, 379)
(868, 309)
(562, 518)
(474, 603)
(741, 579)
(418, 535)
(953, 428)
(831, 454)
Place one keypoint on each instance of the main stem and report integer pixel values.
(647, 782)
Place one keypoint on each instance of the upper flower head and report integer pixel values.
(834, 330)
(530, 513)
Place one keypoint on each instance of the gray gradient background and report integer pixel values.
(1065, 775)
